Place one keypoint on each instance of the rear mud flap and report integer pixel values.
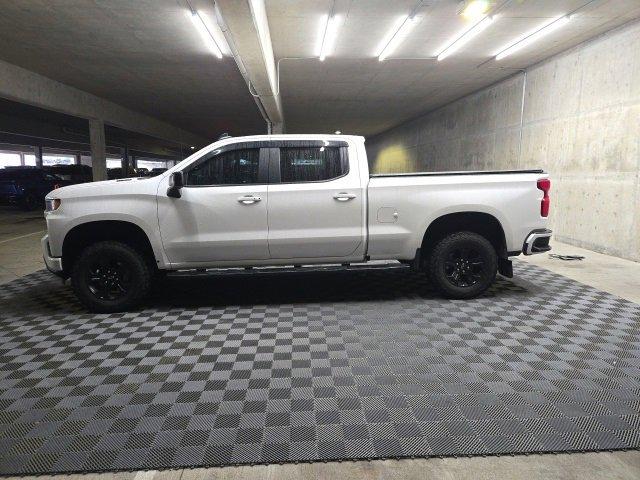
(505, 267)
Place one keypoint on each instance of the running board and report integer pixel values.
(288, 269)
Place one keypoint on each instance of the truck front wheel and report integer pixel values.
(463, 265)
(110, 277)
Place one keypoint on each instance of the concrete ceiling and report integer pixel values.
(353, 92)
(145, 55)
(142, 54)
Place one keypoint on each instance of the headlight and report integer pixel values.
(52, 204)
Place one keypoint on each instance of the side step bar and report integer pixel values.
(287, 269)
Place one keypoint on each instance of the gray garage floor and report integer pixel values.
(55, 308)
(20, 234)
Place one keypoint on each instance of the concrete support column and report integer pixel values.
(277, 128)
(78, 159)
(98, 150)
(22, 158)
(37, 151)
(124, 162)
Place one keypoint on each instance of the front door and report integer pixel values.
(222, 213)
(315, 202)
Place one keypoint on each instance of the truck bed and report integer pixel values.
(402, 206)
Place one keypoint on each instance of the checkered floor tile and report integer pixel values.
(313, 366)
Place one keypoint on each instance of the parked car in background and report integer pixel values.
(157, 171)
(114, 173)
(142, 172)
(292, 200)
(26, 187)
(71, 173)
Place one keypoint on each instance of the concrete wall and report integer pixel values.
(581, 123)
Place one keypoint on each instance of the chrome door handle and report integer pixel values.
(344, 197)
(249, 199)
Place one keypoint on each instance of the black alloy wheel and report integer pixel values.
(462, 265)
(111, 276)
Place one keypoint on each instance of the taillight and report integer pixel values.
(544, 184)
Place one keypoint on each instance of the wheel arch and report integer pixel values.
(482, 223)
(91, 232)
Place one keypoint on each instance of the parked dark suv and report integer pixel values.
(71, 173)
(27, 186)
(157, 171)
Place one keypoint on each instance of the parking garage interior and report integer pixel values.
(343, 373)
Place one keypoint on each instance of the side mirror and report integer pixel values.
(176, 182)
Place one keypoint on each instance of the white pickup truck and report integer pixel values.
(290, 200)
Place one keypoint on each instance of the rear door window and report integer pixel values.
(311, 164)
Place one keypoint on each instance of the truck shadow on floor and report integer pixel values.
(299, 288)
(44, 294)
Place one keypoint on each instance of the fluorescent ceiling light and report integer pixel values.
(327, 35)
(203, 26)
(475, 9)
(532, 36)
(398, 34)
(465, 37)
(397, 25)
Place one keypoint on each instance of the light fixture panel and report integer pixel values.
(465, 38)
(204, 29)
(533, 36)
(327, 35)
(401, 31)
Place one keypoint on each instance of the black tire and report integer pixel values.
(110, 277)
(30, 202)
(463, 265)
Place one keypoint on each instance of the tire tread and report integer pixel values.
(439, 250)
(142, 283)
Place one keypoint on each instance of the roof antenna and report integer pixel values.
(223, 136)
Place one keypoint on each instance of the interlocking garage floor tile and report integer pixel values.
(313, 366)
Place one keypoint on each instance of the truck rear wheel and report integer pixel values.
(110, 277)
(463, 265)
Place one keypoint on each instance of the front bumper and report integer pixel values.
(54, 264)
(537, 242)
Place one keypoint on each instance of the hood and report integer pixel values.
(124, 186)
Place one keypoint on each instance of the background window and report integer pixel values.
(9, 160)
(114, 163)
(235, 167)
(58, 160)
(310, 164)
(149, 164)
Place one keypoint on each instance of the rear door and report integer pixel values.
(222, 213)
(315, 201)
